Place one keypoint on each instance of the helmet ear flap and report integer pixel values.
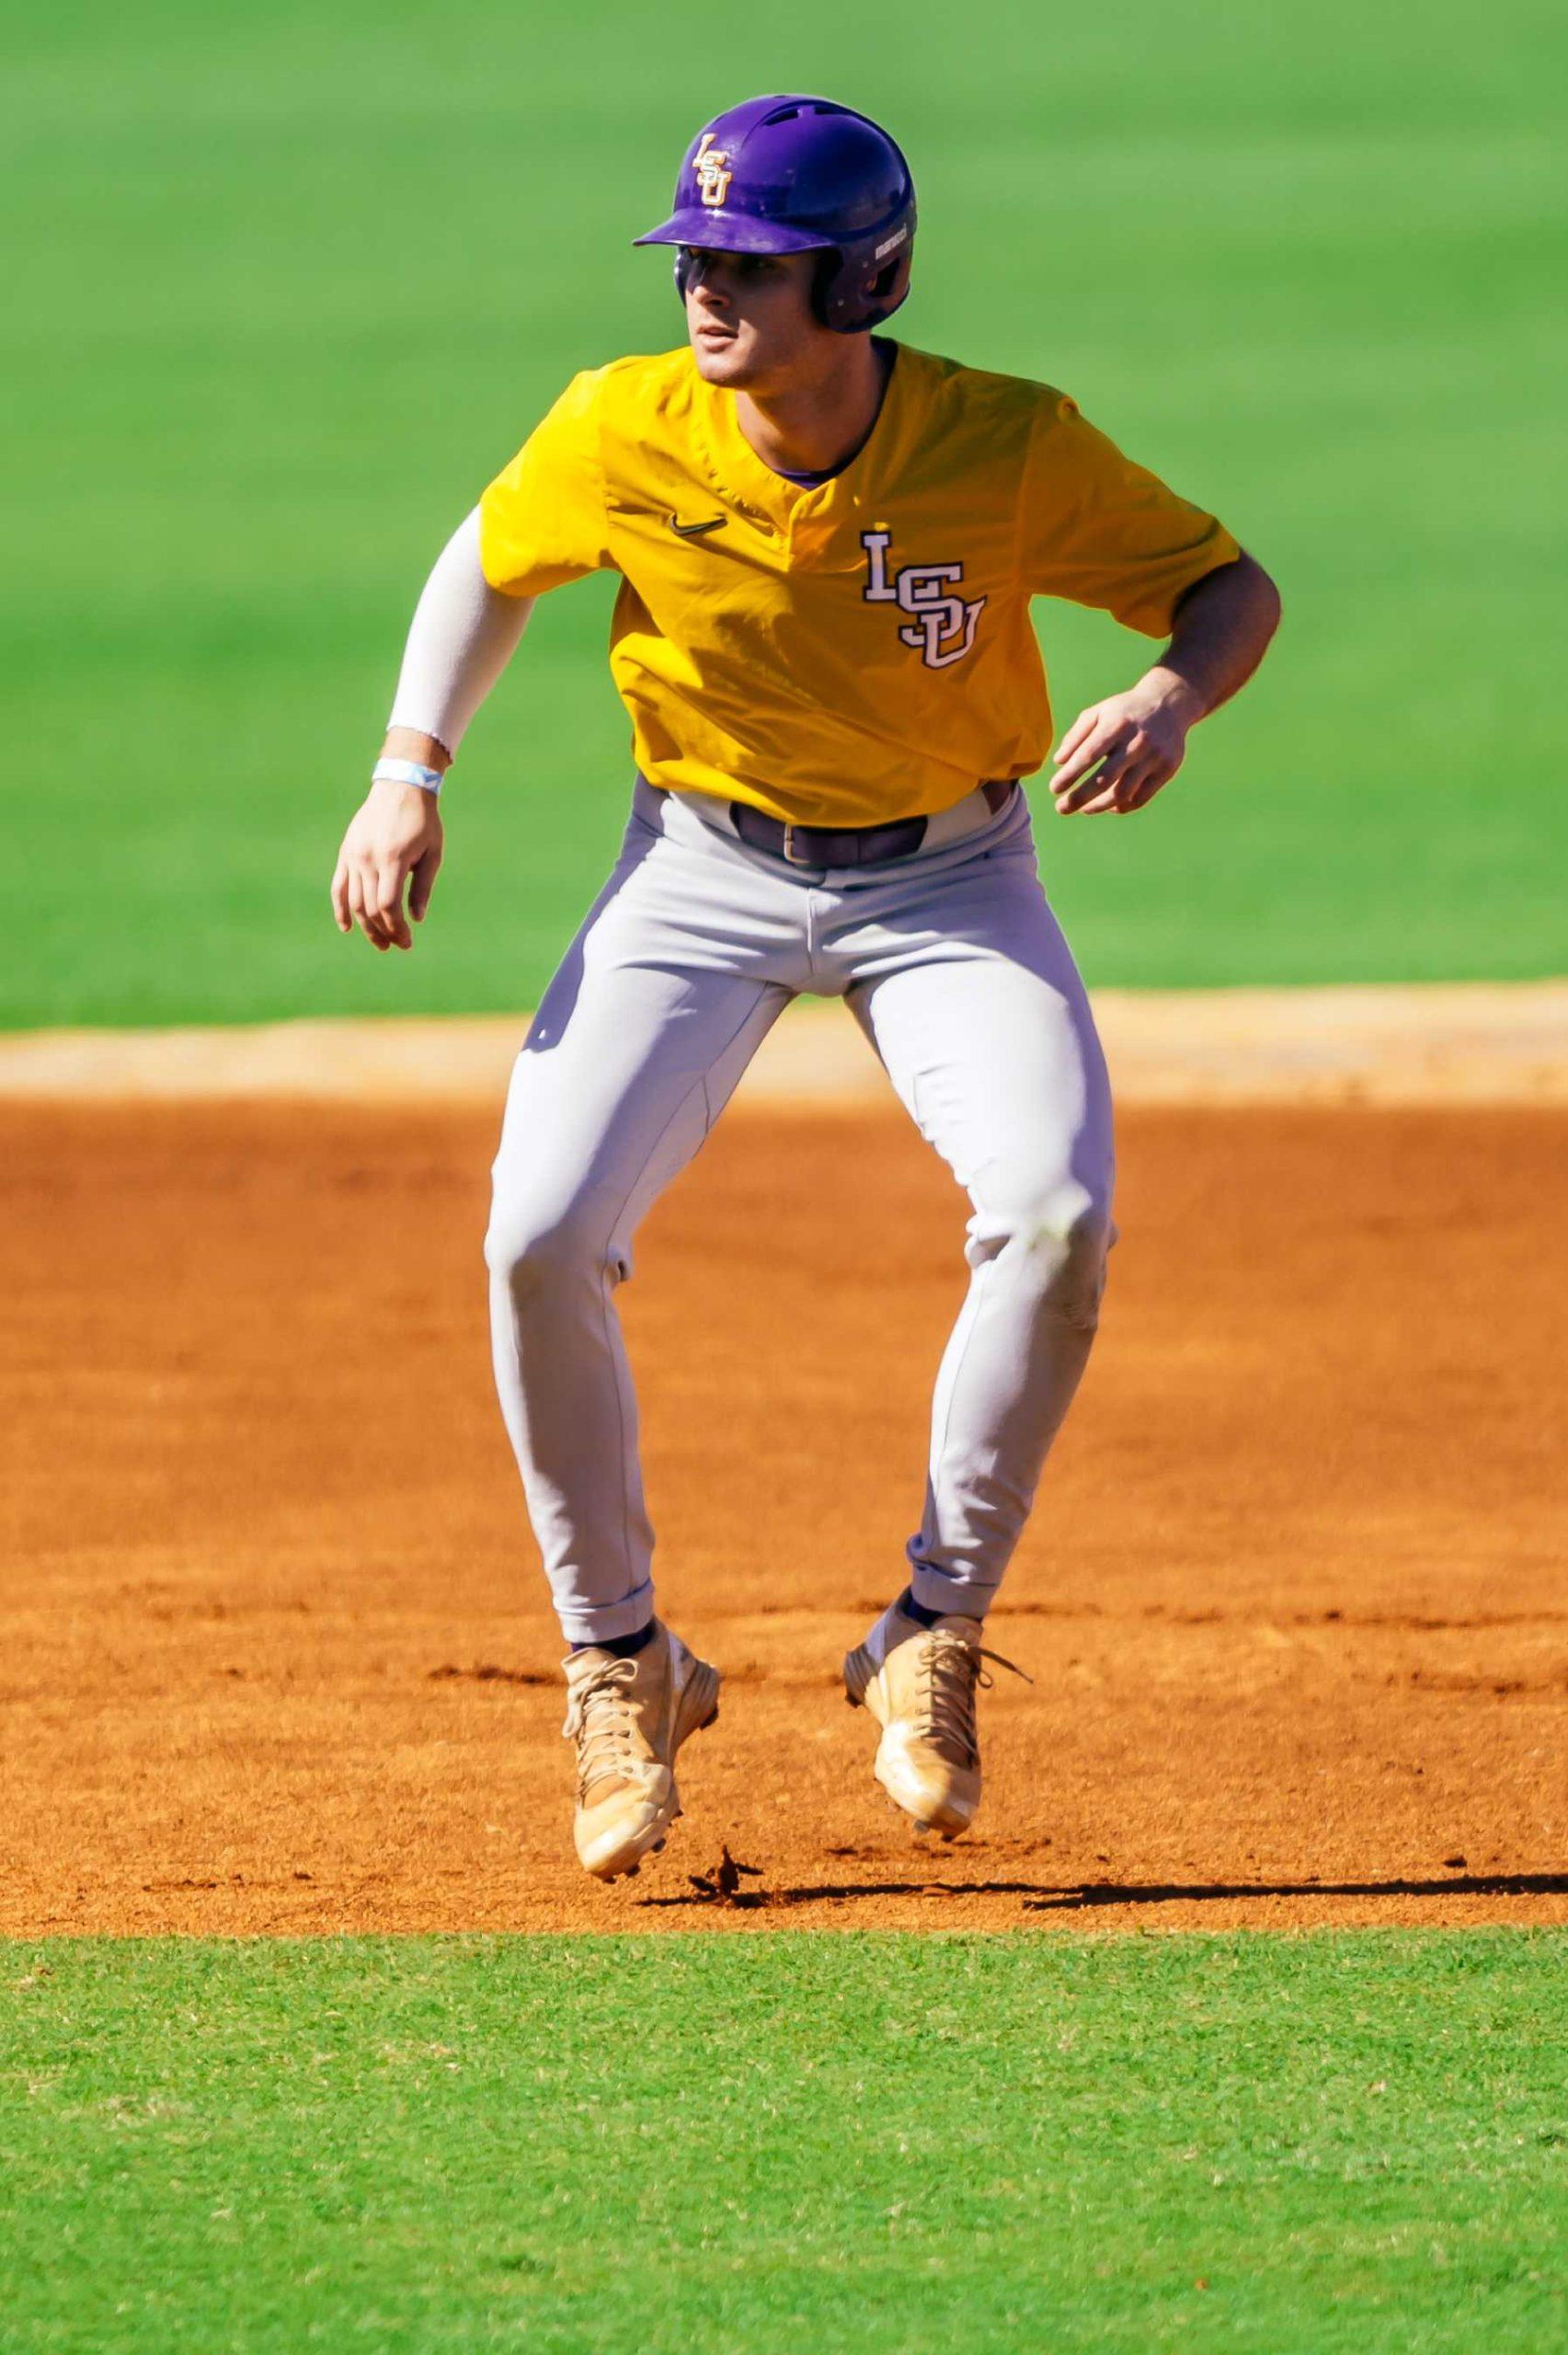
(850, 293)
(830, 261)
(682, 270)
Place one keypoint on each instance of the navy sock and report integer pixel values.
(920, 1613)
(623, 1647)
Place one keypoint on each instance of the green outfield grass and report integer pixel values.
(289, 284)
(816, 2142)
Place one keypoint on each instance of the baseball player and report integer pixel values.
(827, 543)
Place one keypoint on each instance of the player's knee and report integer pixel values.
(1059, 1245)
(1079, 1280)
(534, 1247)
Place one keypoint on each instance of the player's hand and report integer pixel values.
(393, 839)
(1117, 754)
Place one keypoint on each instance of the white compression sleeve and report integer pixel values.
(463, 636)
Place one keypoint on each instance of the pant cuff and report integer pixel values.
(597, 1622)
(936, 1590)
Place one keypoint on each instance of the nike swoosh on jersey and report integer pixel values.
(695, 531)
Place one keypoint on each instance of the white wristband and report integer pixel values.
(407, 772)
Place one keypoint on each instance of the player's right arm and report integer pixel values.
(463, 636)
(541, 523)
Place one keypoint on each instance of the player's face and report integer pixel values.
(750, 317)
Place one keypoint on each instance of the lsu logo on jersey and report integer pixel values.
(943, 623)
(711, 164)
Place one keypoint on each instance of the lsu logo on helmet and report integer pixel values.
(712, 166)
(943, 623)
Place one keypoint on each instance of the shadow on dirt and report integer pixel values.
(1040, 1896)
(1169, 1892)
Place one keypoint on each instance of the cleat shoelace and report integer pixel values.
(950, 1673)
(599, 1718)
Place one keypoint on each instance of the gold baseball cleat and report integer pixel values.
(920, 1684)
(628, 1717)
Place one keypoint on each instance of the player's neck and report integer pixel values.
(819, 419)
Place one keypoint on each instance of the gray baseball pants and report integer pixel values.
(956, 969)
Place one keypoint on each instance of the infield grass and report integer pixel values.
(290, 284)
(866, 2142)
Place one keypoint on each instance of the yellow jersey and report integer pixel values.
(862, 650)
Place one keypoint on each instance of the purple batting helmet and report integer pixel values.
(795, 176)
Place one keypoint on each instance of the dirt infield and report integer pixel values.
(275, 1655)
(1432, 1042)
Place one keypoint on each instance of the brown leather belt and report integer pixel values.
(842, 846)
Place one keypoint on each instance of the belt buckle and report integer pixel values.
(789, 848)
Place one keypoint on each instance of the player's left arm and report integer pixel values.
(1117, 754)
